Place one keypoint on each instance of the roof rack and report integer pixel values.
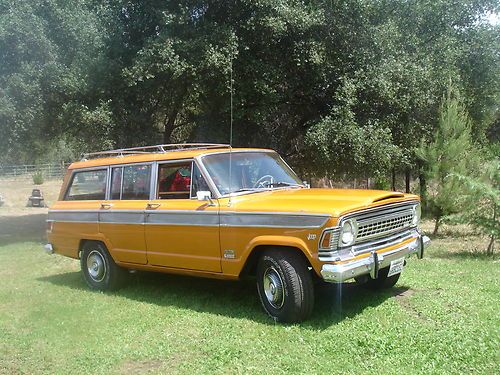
(153, 149)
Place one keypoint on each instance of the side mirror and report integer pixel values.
(306, 184)
(204, 196)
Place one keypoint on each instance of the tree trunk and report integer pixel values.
(436, 225)
(491, 246)
(407, 180)
(393, 182)
(422, 185)
(170, 125)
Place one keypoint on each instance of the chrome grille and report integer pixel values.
(383, 222)
(383, 226)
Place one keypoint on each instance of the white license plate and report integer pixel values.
(396, 266)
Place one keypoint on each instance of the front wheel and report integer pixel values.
(382, 281)
(285, 286)
(99, 270)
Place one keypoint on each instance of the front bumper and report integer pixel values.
(370, 265)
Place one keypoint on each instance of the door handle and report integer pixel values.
(106, 206)
(152, 206)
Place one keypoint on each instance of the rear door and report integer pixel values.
(182, 232)
(122, 215)
(76, 214)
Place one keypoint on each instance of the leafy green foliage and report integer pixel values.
(307, 76)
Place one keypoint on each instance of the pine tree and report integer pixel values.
(484, 202)
(451, 153)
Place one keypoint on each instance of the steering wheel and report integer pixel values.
(261, 181)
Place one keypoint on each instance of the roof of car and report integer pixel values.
(143, 157)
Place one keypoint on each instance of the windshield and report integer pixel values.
(250, 171)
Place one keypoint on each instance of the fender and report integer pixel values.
(96, 237)
(273, 240)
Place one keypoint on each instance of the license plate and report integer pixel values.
(396, 266)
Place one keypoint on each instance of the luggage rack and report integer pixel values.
(153, 149)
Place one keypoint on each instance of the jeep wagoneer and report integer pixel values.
(214, 211)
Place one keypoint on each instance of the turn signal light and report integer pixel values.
(325, 241)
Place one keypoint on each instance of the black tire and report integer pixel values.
(99, 270)
(382, 281)
(285, 286)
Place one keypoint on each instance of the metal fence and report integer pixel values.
(49, 171)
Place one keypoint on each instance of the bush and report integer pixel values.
(381, 183)
(38, 178)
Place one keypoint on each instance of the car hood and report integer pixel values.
(334, 202)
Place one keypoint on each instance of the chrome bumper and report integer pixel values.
(337, 273)
(48, 249)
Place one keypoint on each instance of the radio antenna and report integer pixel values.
(230, 126)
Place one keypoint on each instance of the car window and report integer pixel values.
(87, 185)
(136, 182)
(199, 182)
(174, 181)
(116, 182)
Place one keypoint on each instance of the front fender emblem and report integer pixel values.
(229, 254)
(311, 236)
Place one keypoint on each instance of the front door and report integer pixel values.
(182, 232)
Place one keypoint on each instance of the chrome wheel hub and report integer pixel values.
(96, 266)
(273, 288)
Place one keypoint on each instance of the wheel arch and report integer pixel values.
(250, 267)
(83, 241)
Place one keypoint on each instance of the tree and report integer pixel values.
(452, 152)
(483, 200)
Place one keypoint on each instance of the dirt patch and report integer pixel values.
(403, 292)
(403, 295)
(140, 367)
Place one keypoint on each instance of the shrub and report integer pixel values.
(38, 178)
(381, 183)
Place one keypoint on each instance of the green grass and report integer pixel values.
(442, 317)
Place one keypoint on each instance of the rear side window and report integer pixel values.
(87, 185)
(131, 182)
(136, 182)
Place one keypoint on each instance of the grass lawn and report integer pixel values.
(442, 317)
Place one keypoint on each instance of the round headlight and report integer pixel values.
(348, 233)
(417, 213)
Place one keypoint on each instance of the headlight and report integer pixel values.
(417, 213)
(348, 232)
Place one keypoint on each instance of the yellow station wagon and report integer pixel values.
(214, 211)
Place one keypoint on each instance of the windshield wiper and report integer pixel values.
(245, 189)
(282, 183)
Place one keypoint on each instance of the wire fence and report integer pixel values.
(26, 171)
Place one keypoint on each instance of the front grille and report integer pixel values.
(383, 225)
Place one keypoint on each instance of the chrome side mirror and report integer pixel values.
(306, 184)
(204, 196)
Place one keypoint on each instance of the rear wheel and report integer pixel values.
(99, 270)
(285, 286)
(382, 281)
